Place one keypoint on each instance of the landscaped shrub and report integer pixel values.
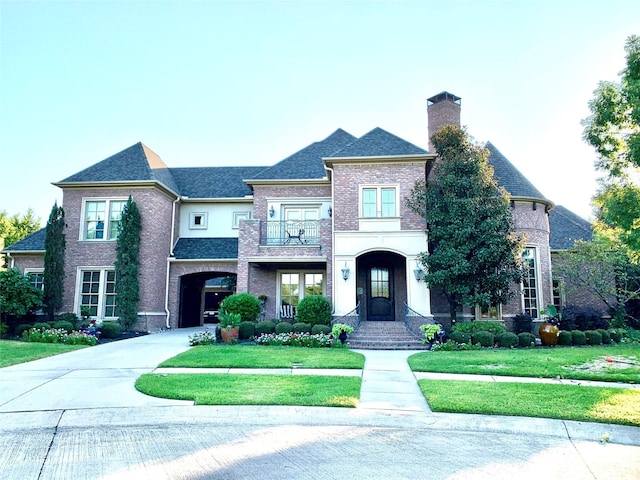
(507, 340)
(264, 327)
(459, 337)
(450, 345)
(23, 327)
(41, 325)
(579, 318)
(565, 338)
(301, 327)
(297, 340)
(526, 339)
(245, 304)
(316, 329)
(4, 328)
(522, 323)
(578, 337)
(616, 335)
(246, 330)
(606, 338)
(496, 328)
(314, 309)
(593, 337)
(69, 317)
(483, 338)
(67, 326)
(110, 330)
(284, 327)
(79, 338)
(205, 337)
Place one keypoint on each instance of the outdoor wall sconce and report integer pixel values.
(345, 272)
(330, 212)
(272, 211)
(418, 272)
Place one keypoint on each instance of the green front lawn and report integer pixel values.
(14, 352)
(245, 356)
(226, 389)
(581, 363)
(567, 402)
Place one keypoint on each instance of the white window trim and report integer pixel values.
(540, 295)
(192, 220)
(238, 216)
(479, 312)
(101, 291)
(379, 188)
(301, 286)
(107, 220)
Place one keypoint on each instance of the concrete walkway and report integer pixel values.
(78, 415)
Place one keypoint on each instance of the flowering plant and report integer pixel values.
(205, 337)
(295, 339)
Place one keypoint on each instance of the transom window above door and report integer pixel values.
(378, 202)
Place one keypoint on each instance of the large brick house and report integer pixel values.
(330, 219)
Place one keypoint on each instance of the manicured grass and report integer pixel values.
(245, 356)
(14, 352)
(226, 389)
(568, 402)
(582, 363)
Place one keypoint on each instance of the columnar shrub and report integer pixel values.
(593, 337)
(264, 327)
(246, 330)
(578, 337)
(314, 309)
(565, 338)
(484, 338)
(526, 339)
(302, 327)
(316, 329)
(245, 304)
(606, 338)
(284, 327)
(507, 340)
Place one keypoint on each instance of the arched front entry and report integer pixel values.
(200, 294)
(381, 286)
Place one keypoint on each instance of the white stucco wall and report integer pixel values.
(219, 219)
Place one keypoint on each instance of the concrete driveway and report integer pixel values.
(78, 415)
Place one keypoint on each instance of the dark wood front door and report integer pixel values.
(380, 303)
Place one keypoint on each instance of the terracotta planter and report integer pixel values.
(549, 334)
(228, 334)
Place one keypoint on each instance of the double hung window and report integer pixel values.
(102, 219)
(379, 202)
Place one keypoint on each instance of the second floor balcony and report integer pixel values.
(290, 232)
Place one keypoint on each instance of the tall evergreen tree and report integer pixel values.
(127, 264)
(54, 246)
(474, 255)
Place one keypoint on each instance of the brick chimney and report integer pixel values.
(442, 109)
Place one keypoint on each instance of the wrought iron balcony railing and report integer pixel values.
(292, 232)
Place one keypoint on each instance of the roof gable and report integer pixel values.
(566, 228)
(509, 177)
(307, 163)
(379, 143)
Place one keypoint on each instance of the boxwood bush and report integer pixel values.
(526, 339)
(484, 338)
(616, 335)
(41, 325)
(246, 330)
(317, 328)
(67, 326)
(507, 340)
(522, 323)
(496, 328)
(69, 317)
(565, 338)
(284, 327)
(264, 327)
(110, 330)
(245, 304)
(593, 337)
(302, 327)
(578, 338)
(606, 338)
(23, 327)
(314, 309)
(459, 337)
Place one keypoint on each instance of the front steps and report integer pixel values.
(384, 336)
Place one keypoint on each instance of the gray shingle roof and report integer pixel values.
(509, 177)
(206, 248)
(31, 243)
(307, 163)
(378, 143)
(567, 227)
(136, 163)
(214, 182)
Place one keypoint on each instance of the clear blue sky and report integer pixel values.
(248, 83)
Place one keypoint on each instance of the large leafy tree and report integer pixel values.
(613, 129)
(54, 245)
(16, 227)
(127, 264)
(474, 254)
(17, 295)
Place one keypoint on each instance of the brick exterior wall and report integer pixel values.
(442, 113)
(24, 261)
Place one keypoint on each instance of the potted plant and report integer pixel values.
(550, 330)
(229, 326)
(340, 331)
(431, 331)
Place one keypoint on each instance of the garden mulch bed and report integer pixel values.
(122, 336)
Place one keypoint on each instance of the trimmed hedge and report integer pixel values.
(314, 309)
(246, 330)
(606, 338)
(496, 328)
(316, 329)
(302, 327)
(245, 304)
(67, 326)
(526, 339)
(484, 338)
(264, 327)
(616, 335)
(460, 337)
(284, 327)
(565, 338)
(41, 325)
(593, 337)
(578, 337)
(110, 330)
(507, 340)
